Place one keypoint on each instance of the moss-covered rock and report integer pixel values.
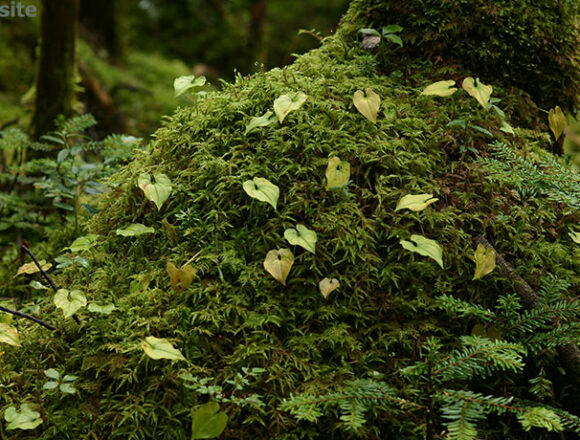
(235, 315)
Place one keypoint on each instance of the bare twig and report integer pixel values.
(29, 317)
(45, 275)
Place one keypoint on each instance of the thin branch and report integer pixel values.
(45, 275)
(569, 353)
(39, 266)
(29, 317)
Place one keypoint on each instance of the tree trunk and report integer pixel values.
(257, 27)
(100, 21)
(55, 81)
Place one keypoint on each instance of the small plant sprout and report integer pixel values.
(63, 383)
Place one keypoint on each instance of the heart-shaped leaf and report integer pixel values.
(184, 83)
(302, 236)
(208, 421)
(134, 230)
(160, 348)
(367, 103)
(440, 88)
(69, 301)
(9, 335)
(484, 261)
(107, 309)
(180, 278)
(287, 103)
(424, 246)
(157, 192)
(24, 419)
(266, 119)
(575, 236)
(557, 121)
(67, 388)
(337, 173)
(278, 264)
(262, 190)
(416, 202)
(31, 268)
(478, 90)
(328, 285)
(83, 243)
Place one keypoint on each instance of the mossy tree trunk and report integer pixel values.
(55, 81)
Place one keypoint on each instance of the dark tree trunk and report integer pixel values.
(257, 27)
(55, 81)
(100, 21)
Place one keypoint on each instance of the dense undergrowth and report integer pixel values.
(392, 343)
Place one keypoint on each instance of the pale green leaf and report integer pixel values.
(69, 301)
(440, 88)
(83, 243)
(481, 92)
(287, 103)
(575, 236)
(51, 373)
(557, 121)
(106, 309)
(24, 419)
(135, 229)
(50, 385)
(263, 190)
(327, 286)
(424, 246)
(9, 335)
(302, 236)
(67, 388)
(337, 173)
(484, 261)
(416, 202)
(367, 103)
(157, 192)
(507, 128)
(183, 83)
(159, 348)
(278, 264)
(266, 119)
(208, 421)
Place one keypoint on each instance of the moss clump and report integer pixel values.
(234, 315)
(530, 44)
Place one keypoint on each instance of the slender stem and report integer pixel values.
(42, 271)
(27, 316)
(45, 275)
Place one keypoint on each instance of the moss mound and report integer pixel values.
(529, 44)
(234, 315)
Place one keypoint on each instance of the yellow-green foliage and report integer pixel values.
(234, 314)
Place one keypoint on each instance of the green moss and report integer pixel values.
(235, 315)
